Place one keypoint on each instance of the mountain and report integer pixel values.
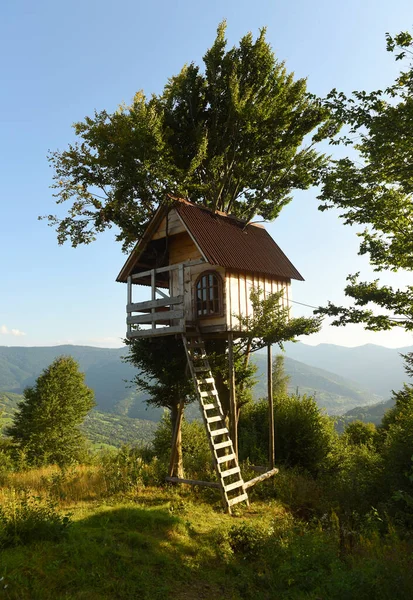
(102, 429)
(376, 368)
(110, 378)
(333, 393)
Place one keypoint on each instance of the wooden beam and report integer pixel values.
(212, 484)
(141, 306)
(175, 435)
(189, 263)
(232, 395)
(263, 477)
(271, 449)
(165, 315)
(139, 333)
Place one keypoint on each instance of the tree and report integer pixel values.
(46, 424)
(280, 379)
(164, 377)
(229, 137)
(375, 190)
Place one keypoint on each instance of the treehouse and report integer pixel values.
(200, 267)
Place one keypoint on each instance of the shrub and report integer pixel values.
(358, 433)
(25, 518)
(126, 470)
(196, 452)
(304, 436)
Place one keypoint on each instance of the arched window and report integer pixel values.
(208, 295)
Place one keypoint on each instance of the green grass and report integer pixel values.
(161, 543)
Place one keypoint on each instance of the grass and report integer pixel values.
(160, 543)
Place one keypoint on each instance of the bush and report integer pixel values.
(126, 470)
(25, 518)
(196, 452)
(358, 433)
(304, 436)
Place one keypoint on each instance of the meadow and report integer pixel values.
(113, 531)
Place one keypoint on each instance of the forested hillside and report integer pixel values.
(111, 378)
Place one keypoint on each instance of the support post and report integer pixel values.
(129, 302)
(270, 408)
(153, 295)
(232, 395)
(176, 434)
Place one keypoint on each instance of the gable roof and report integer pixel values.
(224, 241)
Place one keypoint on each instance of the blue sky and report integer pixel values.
(60, 61)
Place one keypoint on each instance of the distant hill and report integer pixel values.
(333, 393)
(376, 368)
(110, 378)
(102, 429)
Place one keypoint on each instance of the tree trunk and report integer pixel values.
(176, 467)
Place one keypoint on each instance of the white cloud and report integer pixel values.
(5, 331)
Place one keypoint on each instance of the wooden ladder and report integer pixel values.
(225, 460)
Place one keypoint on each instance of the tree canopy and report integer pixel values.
(46, 424)
(375, 190)
(228, 136)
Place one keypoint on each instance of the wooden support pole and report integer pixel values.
(267, 475)
(176, 434)
(271, 448)
(232, 395)
(128, 304)
(153, 295)
(212, 484)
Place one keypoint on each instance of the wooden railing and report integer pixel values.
(167, 311)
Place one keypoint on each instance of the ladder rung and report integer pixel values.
(219, 432)
(233, 486)
(226, 458)
(209, 406)
(200, 369)
(214, 419)
(206, 380)
(195, 344)
(208, 393)
(237, 499)
(230, 472)
(222, 445)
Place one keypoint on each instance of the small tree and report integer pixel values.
(163, 375)
(46, 425)
(280, 379)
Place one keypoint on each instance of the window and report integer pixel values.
(208, 295)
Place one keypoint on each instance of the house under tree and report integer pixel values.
(201, 267)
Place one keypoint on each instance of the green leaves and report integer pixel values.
(229, 137)
(270, 322)
(46, 423)
(375, 191)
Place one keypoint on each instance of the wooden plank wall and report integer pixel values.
(238, 291)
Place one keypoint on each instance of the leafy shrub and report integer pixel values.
(126, 470)
(25, 518)
(358, 433)
(304, 436)
(247, 538)
(196, 452)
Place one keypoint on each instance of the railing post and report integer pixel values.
(153, 287)
(181, 290)
(129, 301)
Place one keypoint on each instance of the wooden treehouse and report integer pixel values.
(200, 268)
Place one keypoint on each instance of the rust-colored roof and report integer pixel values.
(230, 243)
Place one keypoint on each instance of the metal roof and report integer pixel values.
(223, 240)
(233, 244)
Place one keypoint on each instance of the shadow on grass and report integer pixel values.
(125, 553)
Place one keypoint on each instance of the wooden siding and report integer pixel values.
(175, 226)
(238, 290)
